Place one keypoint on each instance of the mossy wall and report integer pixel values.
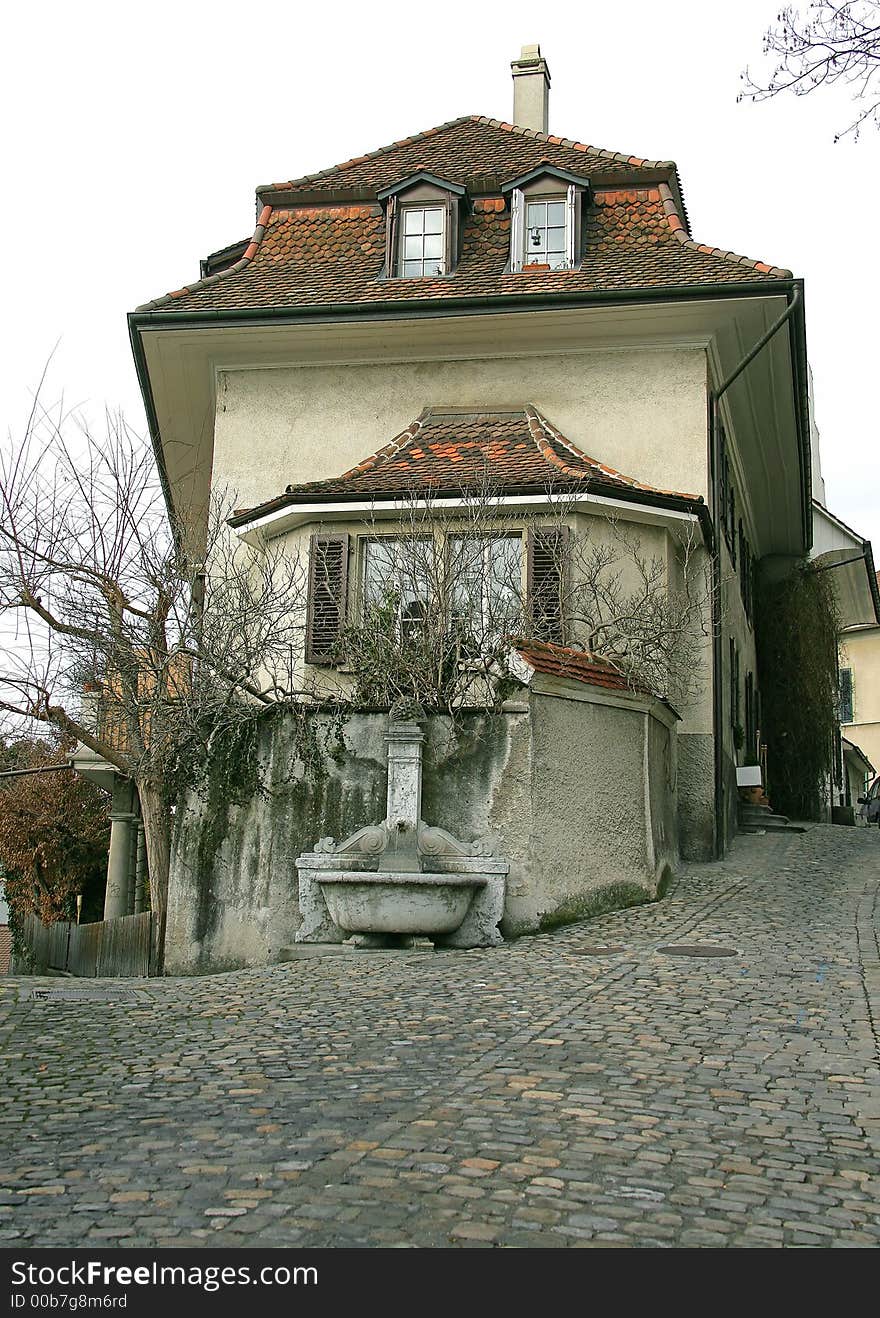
(562, 786)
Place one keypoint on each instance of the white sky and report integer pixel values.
(134, 137)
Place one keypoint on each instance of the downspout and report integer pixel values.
(717, 666)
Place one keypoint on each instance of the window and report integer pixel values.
(423, 220)
(545, 233)
(469, 588)
(545, 218)
(845, 690)
(486, 576)
(422, 242)
(395, 579)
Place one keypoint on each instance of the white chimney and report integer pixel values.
(531, 89)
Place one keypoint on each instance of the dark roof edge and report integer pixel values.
(150, 315)
(648, 498)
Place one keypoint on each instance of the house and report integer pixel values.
(849, 559)
(860, 704)
(488, 296)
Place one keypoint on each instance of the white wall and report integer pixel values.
(640, 411)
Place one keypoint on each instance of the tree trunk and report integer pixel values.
(157, 836)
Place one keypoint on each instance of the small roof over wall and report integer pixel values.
(840, 550)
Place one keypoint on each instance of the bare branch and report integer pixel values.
(828, 44)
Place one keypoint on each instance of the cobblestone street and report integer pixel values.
(545, 1093)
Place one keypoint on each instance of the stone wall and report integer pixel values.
(578, 788)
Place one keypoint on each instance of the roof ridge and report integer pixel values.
(619, 157)
(369, 155)
(205, 282)
(679, 228)
(393, 446)
(616, 157)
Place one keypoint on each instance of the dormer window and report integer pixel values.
(546, 232)
(422, 242)
(545, 219)
(422, 226)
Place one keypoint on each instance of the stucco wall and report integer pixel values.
(580, 797)
(642, 411)
(860, 651)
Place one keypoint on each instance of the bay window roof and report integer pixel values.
(450, 451)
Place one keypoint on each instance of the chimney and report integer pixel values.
(531, 89)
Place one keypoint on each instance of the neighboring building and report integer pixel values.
(860, 685)
(486, 292)
(849, 558)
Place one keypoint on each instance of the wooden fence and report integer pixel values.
(122, 947)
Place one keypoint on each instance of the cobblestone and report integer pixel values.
(529, 1095)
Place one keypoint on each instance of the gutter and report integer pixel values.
(797, 338)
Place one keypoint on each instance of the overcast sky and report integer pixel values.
(134, 137)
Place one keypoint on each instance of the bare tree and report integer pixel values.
(639, 612)
(141, 640)
(831, 43)
(445, 599)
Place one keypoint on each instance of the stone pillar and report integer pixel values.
(404, 743)
(119, 866)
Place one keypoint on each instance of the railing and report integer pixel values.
(120, 948)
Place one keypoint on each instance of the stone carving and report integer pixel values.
(403, 877)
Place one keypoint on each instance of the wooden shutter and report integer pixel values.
(450, 258)
(328, 590)
(571, 227)
(845, 685)
(517, 212)
(546, 566)
(390, 237)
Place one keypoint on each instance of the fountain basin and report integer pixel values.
(388, 902)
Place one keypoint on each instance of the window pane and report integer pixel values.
(433, 246)
(556, 240)
(412, 269)
(537, 213)
(556, 212)
(486, 584)
(433, 221)
(413, 221)
(556, 260)
(412, 248)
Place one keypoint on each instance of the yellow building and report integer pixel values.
(860, 688)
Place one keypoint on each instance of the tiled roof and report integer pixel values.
(466, 149)
(320, 240)
(560, 661)
(448, 451)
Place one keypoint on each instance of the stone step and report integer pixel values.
(775, 824)
(754, 814)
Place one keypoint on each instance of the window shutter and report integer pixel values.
(451, 226)
(390, 236)
(846, 695)
(546, 564)
(571, 226)
(517, 211)
(328, 588)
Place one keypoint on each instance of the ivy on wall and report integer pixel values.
(796, 628)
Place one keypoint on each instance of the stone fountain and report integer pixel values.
(388, 884)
